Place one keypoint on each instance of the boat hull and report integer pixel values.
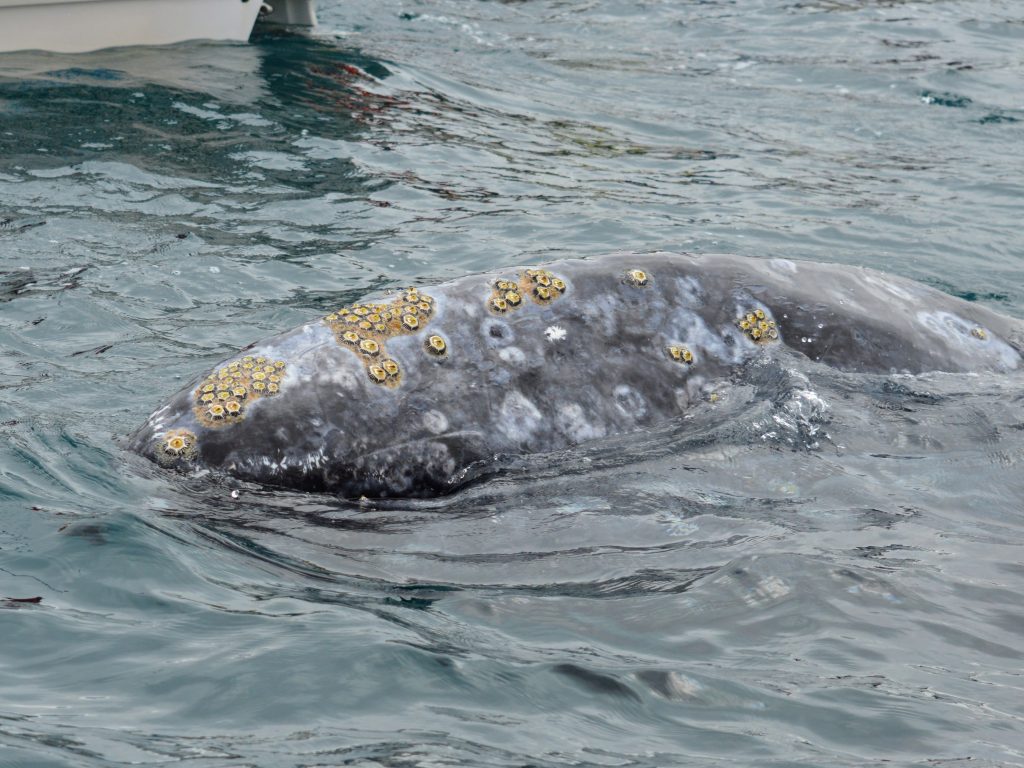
(76, 26)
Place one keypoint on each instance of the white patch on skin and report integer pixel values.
(784, 265)
(554, 333)
(337, 376)
(888, 287)
(519, 418)
(690, 326)
(156, 420)
(946, 325)
(435, 422)
(512, 355)
(692, 393)
(955, 330)
(630, 402)
(690, 292)
(313, 461)
(571, 420)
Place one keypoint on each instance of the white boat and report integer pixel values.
(76, 26)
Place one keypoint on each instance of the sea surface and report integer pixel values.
(828, 573)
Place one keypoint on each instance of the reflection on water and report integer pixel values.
(769, 583)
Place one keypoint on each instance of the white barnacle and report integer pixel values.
(554, 333)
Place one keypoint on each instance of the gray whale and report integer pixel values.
(415, 392)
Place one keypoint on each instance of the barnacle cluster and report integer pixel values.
(174, 445)
(636, 277)
(680, 354)
(758, 326)
(222, 397)
(539, 284)
(366, 328)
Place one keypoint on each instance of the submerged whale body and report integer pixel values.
(418, 391)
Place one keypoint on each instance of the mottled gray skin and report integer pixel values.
(589, 364)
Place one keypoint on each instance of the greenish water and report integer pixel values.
(728, 595)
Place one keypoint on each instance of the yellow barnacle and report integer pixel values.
(680, 354)
(377, 374)
(272, 388)
(763, 325)
(351, 319)
(436, 345)
(259, 387)
(331, 318)
(411, 296)
(636, 277)
(979, 333)
(209, 397)
(390, 367)
(247, 359)
(369, 347)
(745, 324)
(223, 395)
(247, 366)
(365, 325)
(759, 313)
(178, 442)
(410, 322)
(175, 445)
(373, 317)
(424, 305)
(499, 305)
(558, 285)
(259, 376)
(513, 298)
(215, 412)
(233, 407)
(279, 364)
(502, 285)
(209, 387)
(532, 272)
(223, 373)
(542, 292)
(750, 318)
(240, 392)
(771, 323)
(268, 369)
(274, 378)
(755, 333)
(542, 279)
(350, 337)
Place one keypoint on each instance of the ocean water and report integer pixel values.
(828, 572)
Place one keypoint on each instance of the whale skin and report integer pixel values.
(417, 391)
